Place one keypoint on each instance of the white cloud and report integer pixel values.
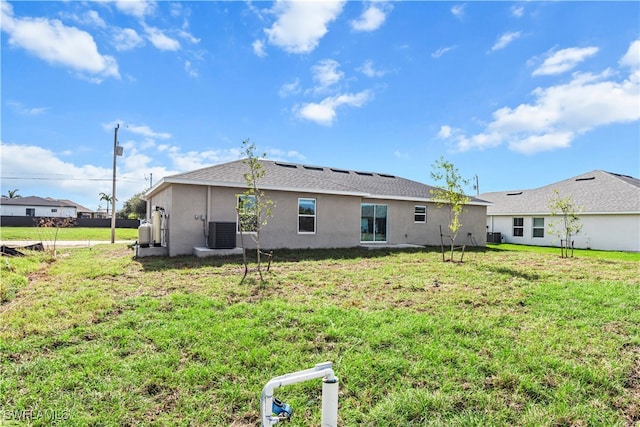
(258, 48)
(160, 40)
(188, 36)
(199, 159)
(631, 59)
(369, 70)
(278, 154)
(191, 70)
(301, 24)
(372, 18)
(58, 178)
(546, 142)
(445, 132)
(134, 159)
(324, 112)
(558, 114)
(517, 11)
(137, 8)
(27, 111)
(441, 51)
(56, 43)
(505, 39)
(292, 88)
(90, 17)
(145, 130)
(326, 74)
(126, 39)
(458, 10)
(564, 60)
(401, 155)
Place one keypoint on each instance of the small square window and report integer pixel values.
(420, 214)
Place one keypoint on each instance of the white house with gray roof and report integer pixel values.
(33, 206)
(315, 207)
(610, 212)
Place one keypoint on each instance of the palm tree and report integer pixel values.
(107, 198)
(12, 194)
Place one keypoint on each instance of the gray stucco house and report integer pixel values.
(610, 215)
(315, 207)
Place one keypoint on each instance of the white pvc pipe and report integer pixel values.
(321, 370)
(330, 402)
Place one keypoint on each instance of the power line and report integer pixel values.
(67, 179)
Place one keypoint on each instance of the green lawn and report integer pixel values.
(70, 233)
(506, 338)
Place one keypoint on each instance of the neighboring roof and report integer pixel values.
(595, 192)
(309, 179)
(42, 201)
(78, 207)
(32, 201)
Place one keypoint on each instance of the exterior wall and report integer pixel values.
(181, 204)
(402, 229)
(41, 211)
(337, 220)
(616, 232)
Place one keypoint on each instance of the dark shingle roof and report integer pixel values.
(32, 201)
(42, 201)
(596, 192)
(311, 179)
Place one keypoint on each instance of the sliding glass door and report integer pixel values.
(373, 223)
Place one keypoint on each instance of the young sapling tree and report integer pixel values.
(568, 224)
(254, 207)
(450, 194)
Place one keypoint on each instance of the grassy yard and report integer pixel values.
(96, 337)
(70, 233)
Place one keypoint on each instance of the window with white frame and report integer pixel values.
(538, 227)
(518, 227)
(420, 214)
(306, 216)
(247, 215)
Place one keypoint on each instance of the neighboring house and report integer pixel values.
(81, 211)
(37, 207)
(315, 207)
(610, 212)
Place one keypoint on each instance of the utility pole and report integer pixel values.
(116, 153)
(476, 186)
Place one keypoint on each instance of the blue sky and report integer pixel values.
(521, 94)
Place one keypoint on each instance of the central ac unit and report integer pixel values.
(222, 235)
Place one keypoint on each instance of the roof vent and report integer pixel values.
(340, 170)
(313, 168)
(591, 178)
(621, 175)
(386, 176)
(287, 165)
(364, 173)
(514, 194)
